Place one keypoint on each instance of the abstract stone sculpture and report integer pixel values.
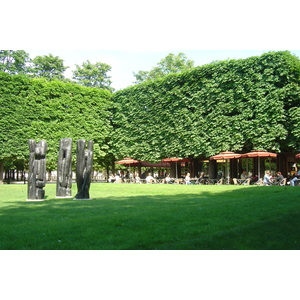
(37, 170)
(84, 165)
(64, 169)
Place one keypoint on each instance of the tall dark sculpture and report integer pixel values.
(64, 169)
(84, 166)
(37, 170)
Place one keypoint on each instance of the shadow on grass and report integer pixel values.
(251, 218)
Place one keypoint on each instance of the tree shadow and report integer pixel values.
(250, 218)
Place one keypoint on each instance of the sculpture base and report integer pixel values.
(35, 200)
(63, 197)
(82, 199)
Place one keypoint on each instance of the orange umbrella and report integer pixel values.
(176, 159)
(128, 161)
(155, 165)
(255, 153)
(259, 154)
(227, 155)
(171, 159)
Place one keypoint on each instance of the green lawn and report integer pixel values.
(132, 216)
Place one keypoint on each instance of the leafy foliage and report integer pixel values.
(48, 66)
(236, 105)
(93, 75)
(14, 62)
(170, 64)
(39, 109)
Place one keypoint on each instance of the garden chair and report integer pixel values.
(283, 182)
(220, 181)
(247, 182)
(259, 182)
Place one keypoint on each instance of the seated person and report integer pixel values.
(111, 178)
(168, 179)
(150, 179)
(118, 178)
(188, 178)
(220, 175)
(201, 178)
(244, 175)
(267, 178)
(254, 179)
(296, 177)
(279, 178)
(137, 179)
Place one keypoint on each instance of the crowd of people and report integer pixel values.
(277, 179)
(245, 178)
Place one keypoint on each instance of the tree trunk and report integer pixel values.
(1, 172)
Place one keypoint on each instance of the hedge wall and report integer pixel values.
(236, 105)
(39, 109)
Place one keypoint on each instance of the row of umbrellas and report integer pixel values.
(227, 155)
(130, 162)
(230, 155)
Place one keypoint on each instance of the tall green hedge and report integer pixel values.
(236, 105)
(39, 109)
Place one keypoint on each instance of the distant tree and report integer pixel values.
(170, 64)
(14, 61)
(93, 75)
(48, 66)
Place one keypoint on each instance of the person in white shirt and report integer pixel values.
(111, 178)
(150, 179)
(267, 178)
(188, 178)
(118, 178)
(137, 178)
(168, 179)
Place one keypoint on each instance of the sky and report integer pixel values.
(135, 35)
(124, 62)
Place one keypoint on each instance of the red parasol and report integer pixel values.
(225, 155)
(259, 154)
(155, 165)
(128, 161)
(255, 153)
(176, 159)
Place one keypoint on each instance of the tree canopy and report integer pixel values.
(93, 75)
(51, 110)
(237, 105)
(15, 62)
(48, 66)
(170, 64)
(52, 67)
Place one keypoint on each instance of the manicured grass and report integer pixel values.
(132, 216)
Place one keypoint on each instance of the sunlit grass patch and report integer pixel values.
(131, 216)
